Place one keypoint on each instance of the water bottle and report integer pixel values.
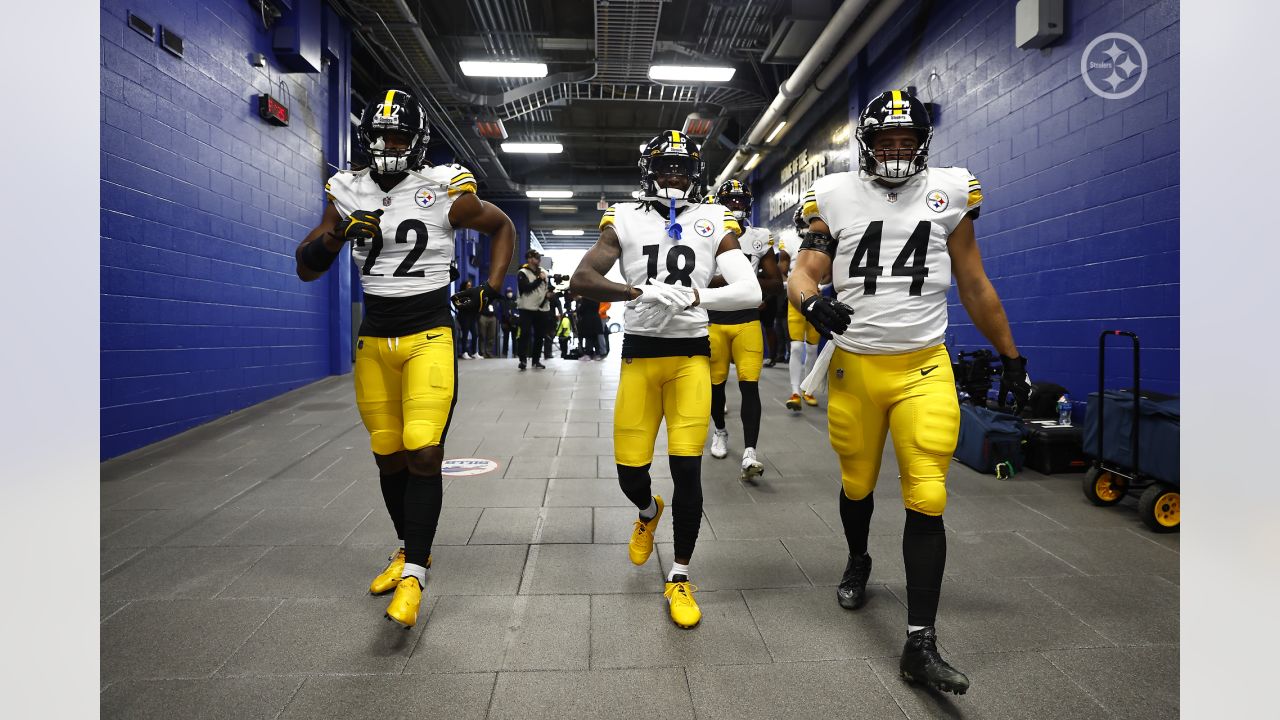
(1064, 410)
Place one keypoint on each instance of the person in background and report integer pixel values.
(488, 327)
(469, 324)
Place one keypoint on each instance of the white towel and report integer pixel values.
(816, 381)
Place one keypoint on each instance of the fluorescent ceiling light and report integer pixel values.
(532, 147)
(691, 73)
(775, 132)
(558, 208)
(755, 160)
(477, 68)
(568, 232)
(557, 194)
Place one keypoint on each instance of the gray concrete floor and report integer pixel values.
(236, 560)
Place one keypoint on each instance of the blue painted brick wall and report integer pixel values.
(1079, 226)
(202, 206)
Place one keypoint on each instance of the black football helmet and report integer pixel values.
(893, 110)
(735, 196)
(672, 152)
(396, 111)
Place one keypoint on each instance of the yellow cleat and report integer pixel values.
(388, 579)
(641, 545)
(404, 605)
(793, 403)
(684, 610)
(810, 400)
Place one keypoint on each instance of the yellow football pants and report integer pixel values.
(650, 389)
(800, 329)
(744, 344)
(912, 395)
(405, 389)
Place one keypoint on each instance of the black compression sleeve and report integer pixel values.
(316, 256)
(819, 241)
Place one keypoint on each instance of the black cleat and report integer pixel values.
(922, 664)
(522, 366)
(852, 592)
(538, 366)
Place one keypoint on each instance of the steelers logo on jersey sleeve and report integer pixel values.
(757, 245)
(704, 227)
(425, 198)
(937, 200)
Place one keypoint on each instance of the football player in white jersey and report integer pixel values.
(670, 247)
(736, 336)
(893, 235)
(399, 214)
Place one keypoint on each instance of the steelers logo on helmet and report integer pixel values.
(735, 196)
(671, 155)
(893, 110)
(393, 133)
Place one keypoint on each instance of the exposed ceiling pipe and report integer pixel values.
(836, 69)
(796, 84)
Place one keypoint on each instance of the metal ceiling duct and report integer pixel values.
(796, 84)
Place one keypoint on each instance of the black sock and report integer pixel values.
(686, 503)
(924, 553)
(393, 487)
(423, 496)
(717, 405)
(855, 515)
(750, 412)
(636, 485)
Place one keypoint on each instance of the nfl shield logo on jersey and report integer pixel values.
(704, 227)
(425, 198)
(937, 200)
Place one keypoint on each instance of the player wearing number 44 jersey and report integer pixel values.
(399, 215)
(893, 235)
(670, 248)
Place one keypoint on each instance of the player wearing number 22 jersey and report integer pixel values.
(399, 215)
(670, 248)
(893, 235)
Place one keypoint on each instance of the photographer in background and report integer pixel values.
(534, 303)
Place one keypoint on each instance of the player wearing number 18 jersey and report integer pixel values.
(670, 248)
(399, 215)
(893, 235)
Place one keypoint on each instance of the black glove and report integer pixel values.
(1014, 379)
(473, 298)
(361, 226)
(828, 316)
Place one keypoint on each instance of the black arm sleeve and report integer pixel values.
(819, 241)
(525, 284)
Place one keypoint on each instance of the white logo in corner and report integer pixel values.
(1116, 61)
(467, 466)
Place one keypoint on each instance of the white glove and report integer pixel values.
(676, 297)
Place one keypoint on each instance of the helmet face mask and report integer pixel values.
(893, 161)
(671, 155)
(400, 118)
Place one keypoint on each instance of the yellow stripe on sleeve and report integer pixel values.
(607, 219)
(467, 187)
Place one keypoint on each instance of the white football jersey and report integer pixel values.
(417, 240)
(756, 242)
(649, 252)
(891, 264)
